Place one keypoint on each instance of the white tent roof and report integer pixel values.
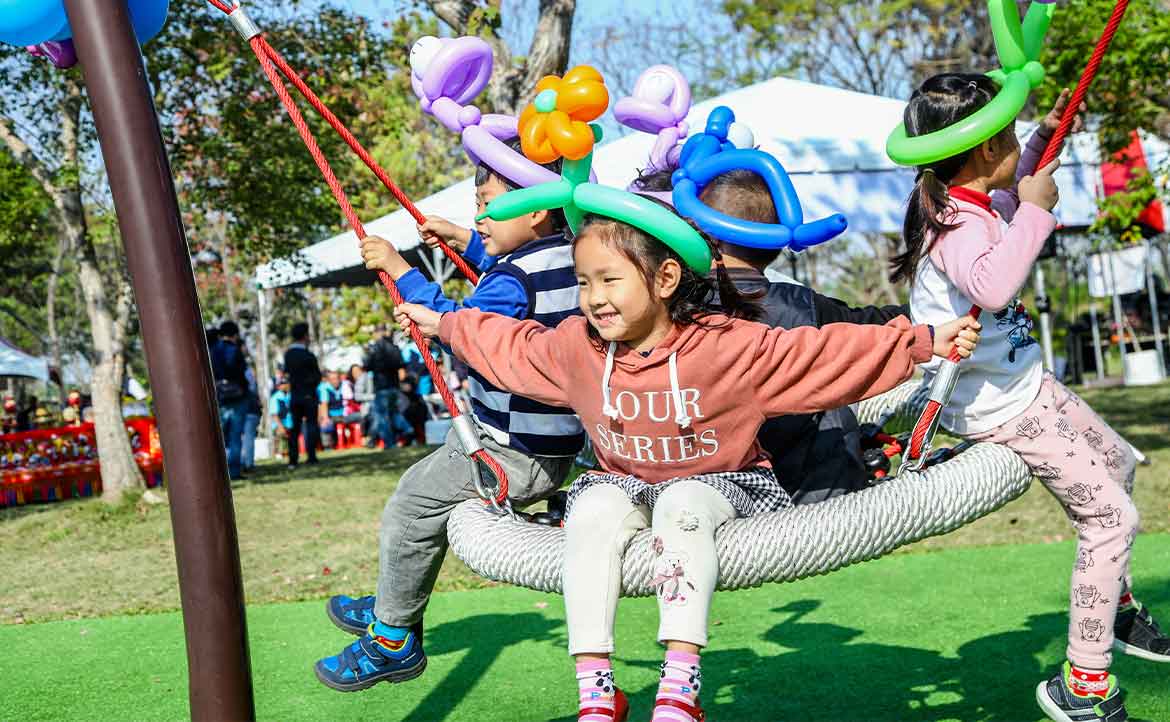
(831, 142)
(14, 362)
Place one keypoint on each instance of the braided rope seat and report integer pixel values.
(781, 546)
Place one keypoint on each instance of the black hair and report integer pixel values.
(941, 101)
(484, 173)
(658, 181)
(299, 330)
(743, 194)
(229, 328)
(697, 296)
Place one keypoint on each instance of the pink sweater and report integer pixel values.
(704, 417)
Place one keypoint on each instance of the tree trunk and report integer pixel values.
(51, 308)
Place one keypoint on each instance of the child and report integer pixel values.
(331, 408)
(531, 278)
(960, 251)
(672, 394)
(280, 411)
(815, 456)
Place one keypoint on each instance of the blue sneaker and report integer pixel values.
(371, 660)
(351, 615)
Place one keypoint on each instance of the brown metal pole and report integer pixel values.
(206, 547)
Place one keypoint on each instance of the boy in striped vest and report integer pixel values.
(527, 266)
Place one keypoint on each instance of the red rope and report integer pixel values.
(264, 53)
(925, 423)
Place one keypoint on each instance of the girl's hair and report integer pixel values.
(697, 295)
(941, 101)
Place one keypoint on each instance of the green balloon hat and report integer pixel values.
(1018, 46)
(574, 194)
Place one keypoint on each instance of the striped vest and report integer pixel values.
(545, 269)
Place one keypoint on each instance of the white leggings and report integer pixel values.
(601, 524)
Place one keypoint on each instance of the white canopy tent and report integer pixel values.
(831, 141)
(14, 362)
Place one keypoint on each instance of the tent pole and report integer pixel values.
(1045, 317)
(1118, 316)
(206, 546)
(263, 381)
(1098, 357)
(1152, 290)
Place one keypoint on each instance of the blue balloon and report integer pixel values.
(711, 154)
(32, 22)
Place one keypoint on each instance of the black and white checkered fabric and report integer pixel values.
(751, 491)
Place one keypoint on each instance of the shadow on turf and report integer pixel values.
(332, 465)
(826, 676)
(482, 638)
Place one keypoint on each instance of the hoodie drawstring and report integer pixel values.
(608, 408)
(680, 412)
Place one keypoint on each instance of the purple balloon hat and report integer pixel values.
(659, 106)
(447, 74)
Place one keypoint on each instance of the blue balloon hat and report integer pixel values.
(32, 22)
(724, 147)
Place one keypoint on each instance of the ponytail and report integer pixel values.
(940, 102)
(927, 214)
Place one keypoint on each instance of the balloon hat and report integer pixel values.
(726, 146)
(556, 125)
(447, 74)
(659, 106)
(1018, 47)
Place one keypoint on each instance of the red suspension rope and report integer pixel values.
(266, 54)
(924, 429)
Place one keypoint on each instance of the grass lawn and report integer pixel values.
(963, 634)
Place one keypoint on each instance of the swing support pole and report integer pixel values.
(206, 546)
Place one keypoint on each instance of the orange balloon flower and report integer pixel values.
(556, 123)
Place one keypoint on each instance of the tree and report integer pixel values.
(882, 47)
(514, 76)
(1131, 89)
(53, 142)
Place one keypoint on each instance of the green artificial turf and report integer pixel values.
(959, 634)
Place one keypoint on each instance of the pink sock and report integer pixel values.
(680, 683)
(595, 684)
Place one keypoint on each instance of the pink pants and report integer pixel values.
(1089, 468)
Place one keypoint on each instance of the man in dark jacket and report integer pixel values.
(304, 375)
(230, 369)
(384, 362)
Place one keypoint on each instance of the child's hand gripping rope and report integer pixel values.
(427, 321)
(962, 334)
(437, 231)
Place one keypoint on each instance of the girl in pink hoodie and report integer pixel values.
(672, 390)
(967, 245)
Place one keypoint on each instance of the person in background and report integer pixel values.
(364, 395)
(229, 369)
(304, 375)
(331, 408)
(24, 417)
(384, 362)
(251, 423)
(280, 413)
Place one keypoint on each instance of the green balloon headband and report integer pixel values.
(1018, 47)
(577, 196)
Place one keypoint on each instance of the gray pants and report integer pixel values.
(413, 538)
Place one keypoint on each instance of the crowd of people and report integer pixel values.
(389, 397)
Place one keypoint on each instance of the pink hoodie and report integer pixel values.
(694, 404)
